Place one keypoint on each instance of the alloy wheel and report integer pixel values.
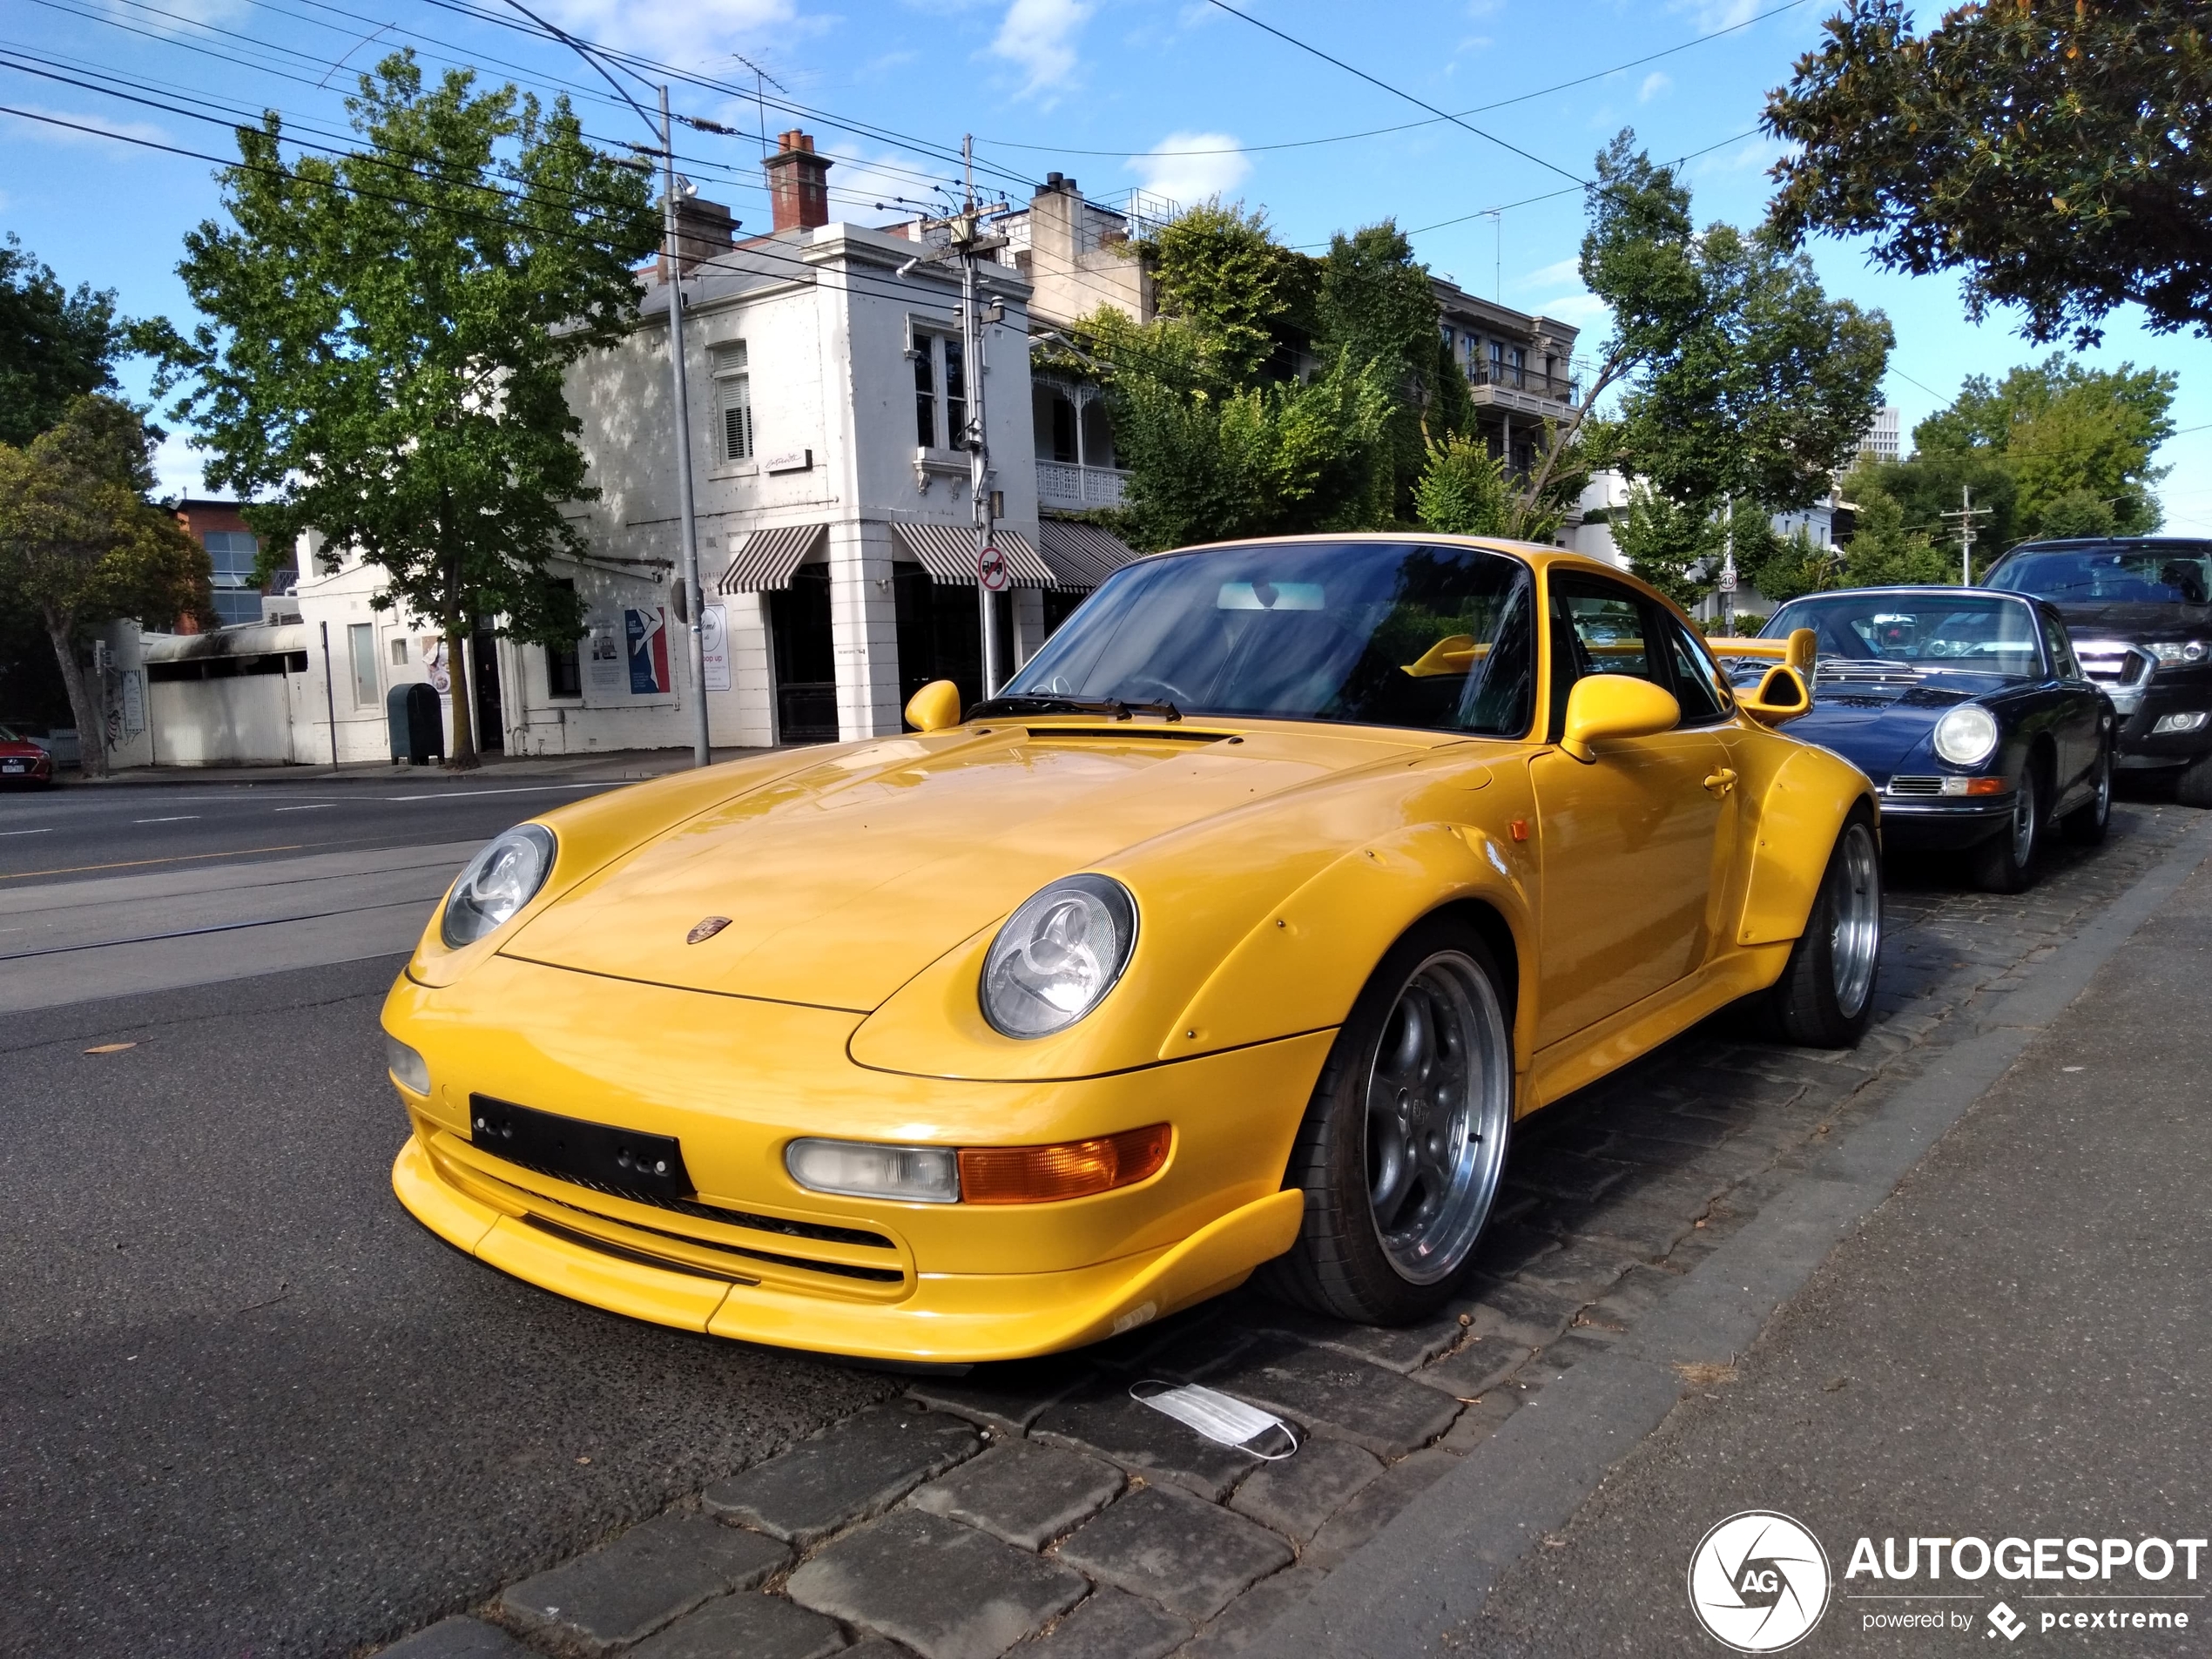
(1856, 941)
(2024, 808)
(1440, 1101)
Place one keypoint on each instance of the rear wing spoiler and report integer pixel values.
(1799, 650)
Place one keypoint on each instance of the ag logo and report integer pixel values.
(1758, 1581)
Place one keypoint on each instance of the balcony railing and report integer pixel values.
(1060, 484)
(1560, 388)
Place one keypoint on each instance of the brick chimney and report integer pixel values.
(703, 230)
(798, 183)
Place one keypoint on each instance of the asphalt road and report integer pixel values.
(85, 833)
(247, 1404)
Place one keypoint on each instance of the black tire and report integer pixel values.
(2006, 862)
(2087, 824)
(1340, 1265)
(2193, 786)
(1825, 996)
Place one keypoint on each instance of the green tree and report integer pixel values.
(2056, 152)
(1376, 307)
(80, 544)
(1934, 482)
(1783, 567)
(389, 330)
(1463, 490)
(2058, 430)
(55, 344)
(1220, 269)
(1675, 547)
(2077, 513)
(1884, 551)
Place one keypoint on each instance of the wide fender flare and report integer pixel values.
(1302, 966)
(1799, 815)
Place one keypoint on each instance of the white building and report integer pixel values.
(1883, 441)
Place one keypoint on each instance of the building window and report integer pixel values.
(733, 400)
(361, 642)
(232, 553)
(564, 663)
(399, 650)
(1516, 360)
(941, 392)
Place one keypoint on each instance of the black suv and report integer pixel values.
(2139, 611)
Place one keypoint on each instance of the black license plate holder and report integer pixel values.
(575, 1149)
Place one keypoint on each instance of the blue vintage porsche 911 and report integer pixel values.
(1970, 712)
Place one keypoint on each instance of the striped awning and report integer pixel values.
(947, 552)
(766, 559)
(1082, 556)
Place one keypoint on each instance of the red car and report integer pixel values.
(23, 761)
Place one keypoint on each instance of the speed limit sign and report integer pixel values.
(991, 569)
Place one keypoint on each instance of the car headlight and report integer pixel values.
(406, 1064)
(868, 1170)
(1966, 736)
(499, 881)
(1057, 955)
(2177, 650)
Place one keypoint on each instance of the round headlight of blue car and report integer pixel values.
(1058, 955)
(1966, 736)
(499, 881)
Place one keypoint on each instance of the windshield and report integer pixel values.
(1374, 632)
(1984, 636)
(2122, 575)
(7, 735)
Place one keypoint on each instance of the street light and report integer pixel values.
(688, 571)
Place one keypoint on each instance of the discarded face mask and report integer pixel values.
(1220, 1418)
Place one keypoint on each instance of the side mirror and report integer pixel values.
(1782, 696)
(1604, 707)
(936, 706)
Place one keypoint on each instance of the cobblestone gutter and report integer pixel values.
(1039, 1509)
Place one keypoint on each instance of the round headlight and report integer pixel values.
(1966, 736)
(2194, 652)
(499, 881)
(1057, 955)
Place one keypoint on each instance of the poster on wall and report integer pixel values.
(645, 628)
(434, 663)
(714, 645)
(134, 702)
(603, 667)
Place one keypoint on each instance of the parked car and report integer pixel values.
(1970, 712)
(1241, 926)
(23, 761)
(2140, 610)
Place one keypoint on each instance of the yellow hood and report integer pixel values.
(841, 881)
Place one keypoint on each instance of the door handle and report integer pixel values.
(1720, 783)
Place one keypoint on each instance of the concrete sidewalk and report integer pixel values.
(2010, 1344)
(612, 765)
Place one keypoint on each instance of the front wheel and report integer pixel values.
(2006, 862)
(2085, 825)
(1404, 1137)
(1825, 996)
(2193, 786)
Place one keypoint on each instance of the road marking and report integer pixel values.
(179, 818)
(133, 863)
(526, 789)
(320, 807)
(36, 832)
(217, 927)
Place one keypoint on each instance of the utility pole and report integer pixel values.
(1967, 515)
(688, 572)
(1728, 571)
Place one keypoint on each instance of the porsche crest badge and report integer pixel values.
(705, 928)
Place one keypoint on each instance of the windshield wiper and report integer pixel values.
(1055, 703)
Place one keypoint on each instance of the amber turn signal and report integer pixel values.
(1071, 1169)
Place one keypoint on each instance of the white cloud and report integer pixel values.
(1654, 83)
(1578, 309)
(73, 134)
(1747, 156)
(1189, 178)
(1719, 14)
(1552, 275)
(1040, 36)
(678, 31)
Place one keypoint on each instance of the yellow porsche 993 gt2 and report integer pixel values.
(1234, 934)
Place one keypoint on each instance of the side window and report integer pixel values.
(2061, 648)
(1597, 628)
(1698, 683)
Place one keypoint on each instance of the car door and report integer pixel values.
(2078, 731)
(1631, 841)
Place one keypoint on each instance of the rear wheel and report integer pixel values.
(1404, 1137)
(2085, 826)
(2006, 862)
(1825, 996)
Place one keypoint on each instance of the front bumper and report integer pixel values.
(2187, 690)
(15, 769)
(1942, 825)
(757, 1257)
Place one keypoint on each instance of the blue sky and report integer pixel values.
(1176, 97)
